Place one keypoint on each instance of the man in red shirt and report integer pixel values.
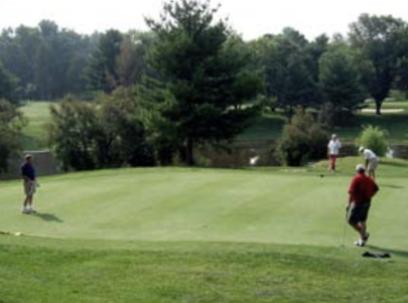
(362, 189)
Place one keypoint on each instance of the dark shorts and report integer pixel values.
(357, 213)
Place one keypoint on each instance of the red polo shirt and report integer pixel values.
(362, 189)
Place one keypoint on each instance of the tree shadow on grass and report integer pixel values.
(48, 217)
(396, 252)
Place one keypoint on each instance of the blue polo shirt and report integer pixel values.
(28, 171)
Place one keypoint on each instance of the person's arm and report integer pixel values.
(351, 191)
(376, 188)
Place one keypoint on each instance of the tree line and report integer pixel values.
(191, 80)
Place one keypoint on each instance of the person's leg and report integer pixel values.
(363, 230)
(332, 163)
(31, 196)
(360, 227)
(25, 204)
(357, 215)
(372, 166)
(30, 201)
(26, 199)
(365, 234)
(364, 216)
(352, 215)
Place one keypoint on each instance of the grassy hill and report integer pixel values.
(269, 125)
(202, 235)
(38, 116)
(265, 127)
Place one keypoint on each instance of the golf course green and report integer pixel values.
(202, 235)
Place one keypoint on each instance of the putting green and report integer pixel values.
(287, 206)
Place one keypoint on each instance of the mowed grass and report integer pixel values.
(203, 235)
(159, 204)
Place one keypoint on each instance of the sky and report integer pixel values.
(251, 18)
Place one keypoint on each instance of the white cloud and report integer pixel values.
(251, 18)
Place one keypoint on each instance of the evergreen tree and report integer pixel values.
(205, 68)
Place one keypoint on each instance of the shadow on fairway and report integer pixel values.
(392, 186)
(396, 252)
(48, 217)
(395, 164)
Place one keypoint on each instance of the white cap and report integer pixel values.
(360, 168)
(28, 156)
(334, 136)
(361, 149)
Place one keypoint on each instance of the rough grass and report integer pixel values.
(37, 270)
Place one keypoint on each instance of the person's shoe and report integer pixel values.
(25, 211)
(359, 243)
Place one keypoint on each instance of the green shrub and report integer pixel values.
(374, 138)
(71, 133)
(101, 134)
(303, 139)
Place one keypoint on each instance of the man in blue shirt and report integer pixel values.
(30, 184)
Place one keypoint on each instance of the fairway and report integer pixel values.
(294, 207)
(202, 235)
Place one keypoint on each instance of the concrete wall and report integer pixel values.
(44, 162)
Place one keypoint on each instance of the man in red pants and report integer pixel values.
(362, 189)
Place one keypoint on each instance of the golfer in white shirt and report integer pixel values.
(371, 161)
(333, 151)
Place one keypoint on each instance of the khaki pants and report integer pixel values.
(29, 187)
(372, 165)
